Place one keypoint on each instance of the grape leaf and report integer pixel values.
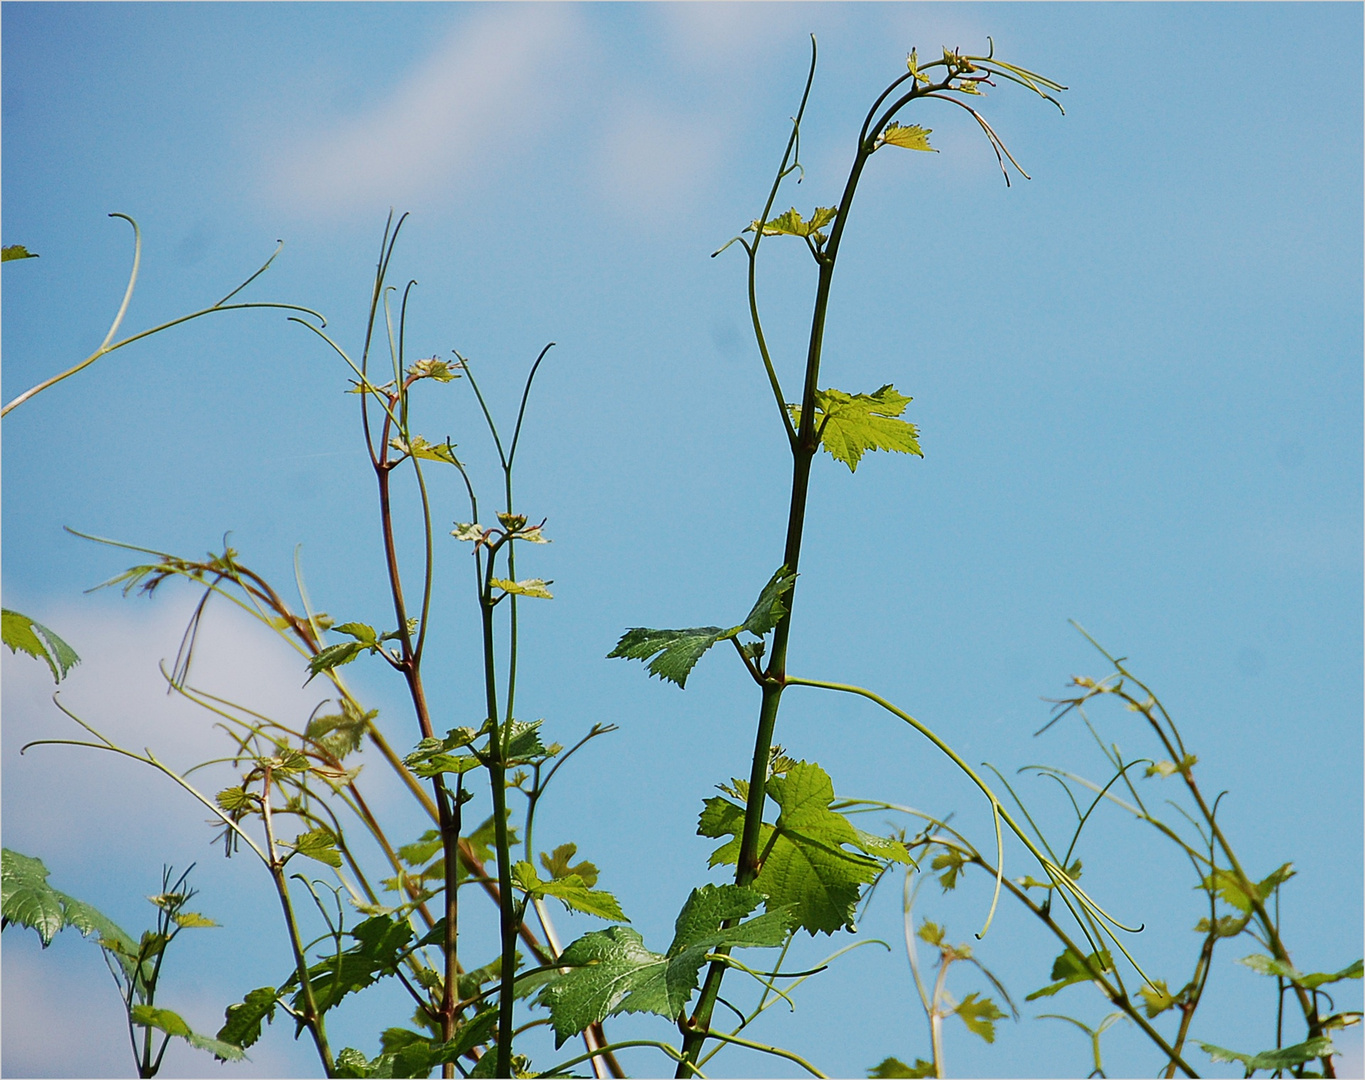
(334, 656)
(1070, 968)
(1284, 1058)
(22, 634)
(27, 899)
(381, 944)
(894, 1069)
(912, 137)
(612, 971)
(557, 864)
(318, 844)
(16, 251)
(1268, 965)
(852, 424)
(790, 223)
(808, 865)
(172, 1024)
(679, 650)
(979, 1015)
(242, 1025)
(1156, 998)
(570, 890)
(1226, 885)
(535, 587)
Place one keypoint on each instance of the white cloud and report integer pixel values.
(118, 689)
(458, 116)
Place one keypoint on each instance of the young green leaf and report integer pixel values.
(790, 223)
(1226, 884)
(1156, 999)
(950, 862)
(1274, 1060)
(979, 1015)
(420, 448)
(530, 587)
(894, 1069)
(612, 971)
(243, 1020)
(679, 650)
(334, 656)
(16, 251)
(912, 137)
(557, 864)
(852, 424)
(22, 634)
(381, 944)
(570, 890)
(768, 609)
(318, 844)
(1268, 965)
(808, 865)
(1069, 968)
(173, 1024)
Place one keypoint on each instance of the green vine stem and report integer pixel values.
(105, 346)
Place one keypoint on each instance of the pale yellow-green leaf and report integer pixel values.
(912, 137)
(534, 587)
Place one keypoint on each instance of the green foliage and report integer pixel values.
(1286, 1057)
(242, 1025)
(1227, 886)
(894, 1069)
(16, 251)
(557, 865)
(172, 1024)
(1156, 998)
(407, 1054)
(790, 223)
(381, 943)
(679, 650)
(849, 425)
(612, 971)
(1268, 965)
(807, 865)
(912, 137)
(532, 587)
(980, 1015)
(570, 889)
(1070, 968)
(318, 844)
(24, 635)
(28, 900)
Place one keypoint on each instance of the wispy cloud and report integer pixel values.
(457, 116)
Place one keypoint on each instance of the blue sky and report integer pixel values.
(1138, 379)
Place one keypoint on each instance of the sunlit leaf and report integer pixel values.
(980, 1015)
(852, 424)
(1156, 998)
(1274, 1060)
(318, 844)
(381, 944)
(22, 634)
(1268, 965)
(16, 251)
(571, 890)
(808, 866)
(172, 1024)
(912, 137)
(530, 587)
(557, 864)
(333, 656)
(1070, 968)
(612, 971)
